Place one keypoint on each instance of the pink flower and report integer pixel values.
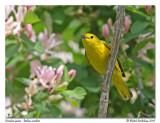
(30, 32)
(148, 9)
(59, 72)
(46, 75)
(48, 40)
(14, 26)
(72, 74)
(143, 51)
(105, 31)
(26, 105)
(33, 65)
(11, 26)
(33, 89)
(49, 78)
(30, 7)
(127, 23)
(8, 10)
(109, 22)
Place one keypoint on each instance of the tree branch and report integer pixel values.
(103, 105)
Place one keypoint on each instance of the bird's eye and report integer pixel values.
(91, 37)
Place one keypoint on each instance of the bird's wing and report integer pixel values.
(119, 63)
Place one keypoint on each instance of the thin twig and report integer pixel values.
(146, 115)
(103, 105)
(140, 84)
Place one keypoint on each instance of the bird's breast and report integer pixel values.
(98, 58)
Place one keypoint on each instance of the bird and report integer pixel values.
(97, 53)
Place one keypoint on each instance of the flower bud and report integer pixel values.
(109, 22)
(126, 24)
(148, 9)
(105, 31)
(72, 74)
(28, 29)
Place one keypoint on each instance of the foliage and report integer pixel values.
(54, 39)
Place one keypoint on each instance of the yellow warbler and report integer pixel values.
(97, 53)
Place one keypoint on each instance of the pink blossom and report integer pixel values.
(48, 40)
(33, 89)
(11, 27)
(20, 14)
(33, 65)
(49, 78)
(14, 26)
(8, 10)
(46, 75)
(26, 105)
(109, 22)
(105, 31)
(143, 51)
(30, 7)
(59, 72)
(127, 23)
(148, 9)
(72, 74)
(30, 32)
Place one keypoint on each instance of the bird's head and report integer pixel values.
(89, 38)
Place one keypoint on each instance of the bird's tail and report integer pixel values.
(123, 90)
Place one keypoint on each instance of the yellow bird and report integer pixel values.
(97, 53)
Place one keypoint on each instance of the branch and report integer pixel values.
(103, 105)
(140, 84)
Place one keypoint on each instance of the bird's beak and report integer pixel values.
(83, 36)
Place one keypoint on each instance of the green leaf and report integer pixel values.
(138, 26)
(81, 71)
(58, 16)
(143, 63)
(32, 114)
(36, 114)
(77, 93)
(48, 110)
(65, 77)
(11, 50)
(9, 86)
(6, 60)
(63, 88)
(73, 102)
(24, 81)
(90, 84)
(31, 17)
(54, 110)
(54, 62)
(140, 45)
(39, 27)
(26, 40)
(14, 60)
(130, 36)
(136, 11)
(10, 41)
(38, 47)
